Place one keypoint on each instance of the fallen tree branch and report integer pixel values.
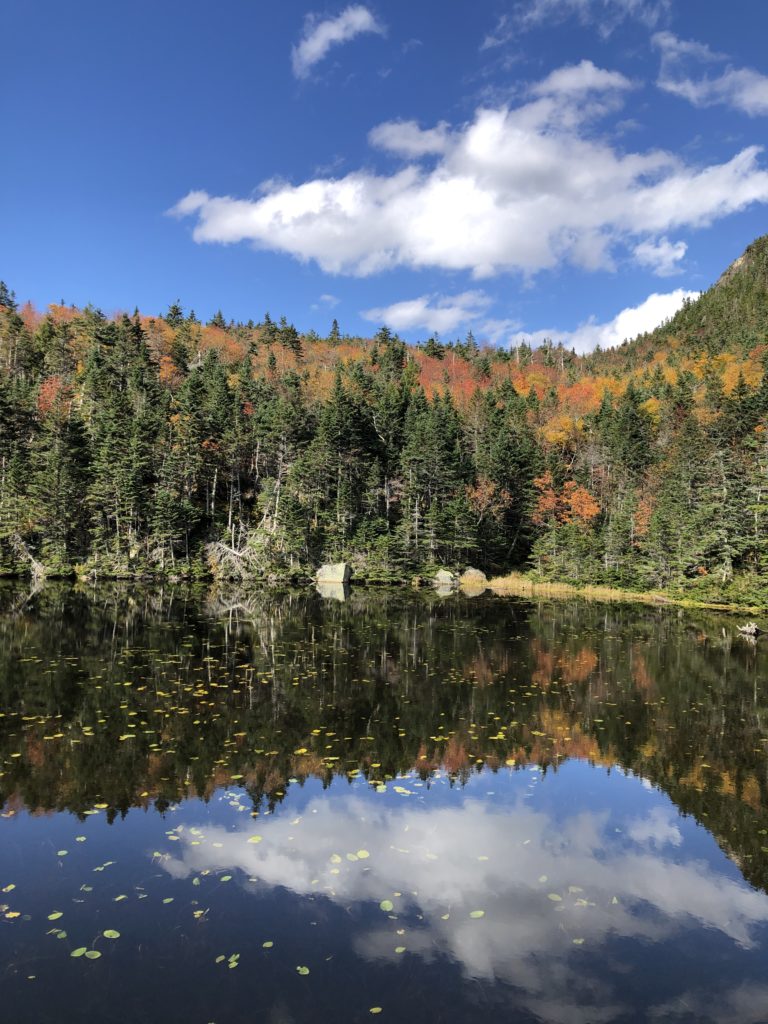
(22, 550)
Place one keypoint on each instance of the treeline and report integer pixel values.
(131, 446)
(118, 461)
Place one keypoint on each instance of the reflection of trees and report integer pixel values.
(129, 697)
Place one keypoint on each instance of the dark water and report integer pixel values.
(289, 809)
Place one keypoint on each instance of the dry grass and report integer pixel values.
(525, 586)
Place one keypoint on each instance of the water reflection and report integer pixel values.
(559, 767)
(548, 883)
(476, 856)
(333, 591)
(742, 1004)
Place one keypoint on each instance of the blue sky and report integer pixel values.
(561, 167)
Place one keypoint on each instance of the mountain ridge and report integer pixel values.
(732, 312)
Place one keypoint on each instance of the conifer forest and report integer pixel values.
(135, 446)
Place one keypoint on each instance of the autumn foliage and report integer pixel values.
(571, 503)
(160, 443)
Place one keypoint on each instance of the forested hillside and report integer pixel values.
(134, 445)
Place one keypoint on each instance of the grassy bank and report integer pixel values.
(526, 586)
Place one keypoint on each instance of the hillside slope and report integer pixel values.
(133, 445)
(731, 316)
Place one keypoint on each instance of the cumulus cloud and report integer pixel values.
(520, 188)
(406, 138)
(431, 312)
(320, 35)
(625, 325)
(660, 255)
(578, 79)
(742, 89)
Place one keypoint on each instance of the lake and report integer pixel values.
(222, 808)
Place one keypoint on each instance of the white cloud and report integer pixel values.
(432, 312)
(320, 36)
(625, 325)
(498, 331)
(576, 94)
(504, 32)
(191, 203)
(604, 15)
(677, 49)
(740, 88)
(406, 138)
(662, 256)
(326, 301)
(577, 79)
(517, 189)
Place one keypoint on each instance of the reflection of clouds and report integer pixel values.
(745, 1004)
(656, 828)
(452, 860)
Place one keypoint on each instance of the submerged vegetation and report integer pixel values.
(132, 446)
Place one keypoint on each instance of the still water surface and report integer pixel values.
(290, 809)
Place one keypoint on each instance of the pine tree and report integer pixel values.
(175, 315)
(59, 458)
(7, 297)
(630, 435)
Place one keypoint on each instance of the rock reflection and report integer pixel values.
(333, 591)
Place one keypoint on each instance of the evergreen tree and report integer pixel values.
(150, 445)
(7, 297)
(175, 315)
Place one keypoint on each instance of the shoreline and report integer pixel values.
(514, 584)
(520, 585)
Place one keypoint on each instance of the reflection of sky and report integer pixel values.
(742, 1004)
(438, 862)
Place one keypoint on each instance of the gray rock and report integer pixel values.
(338, 572)
(444, 580)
